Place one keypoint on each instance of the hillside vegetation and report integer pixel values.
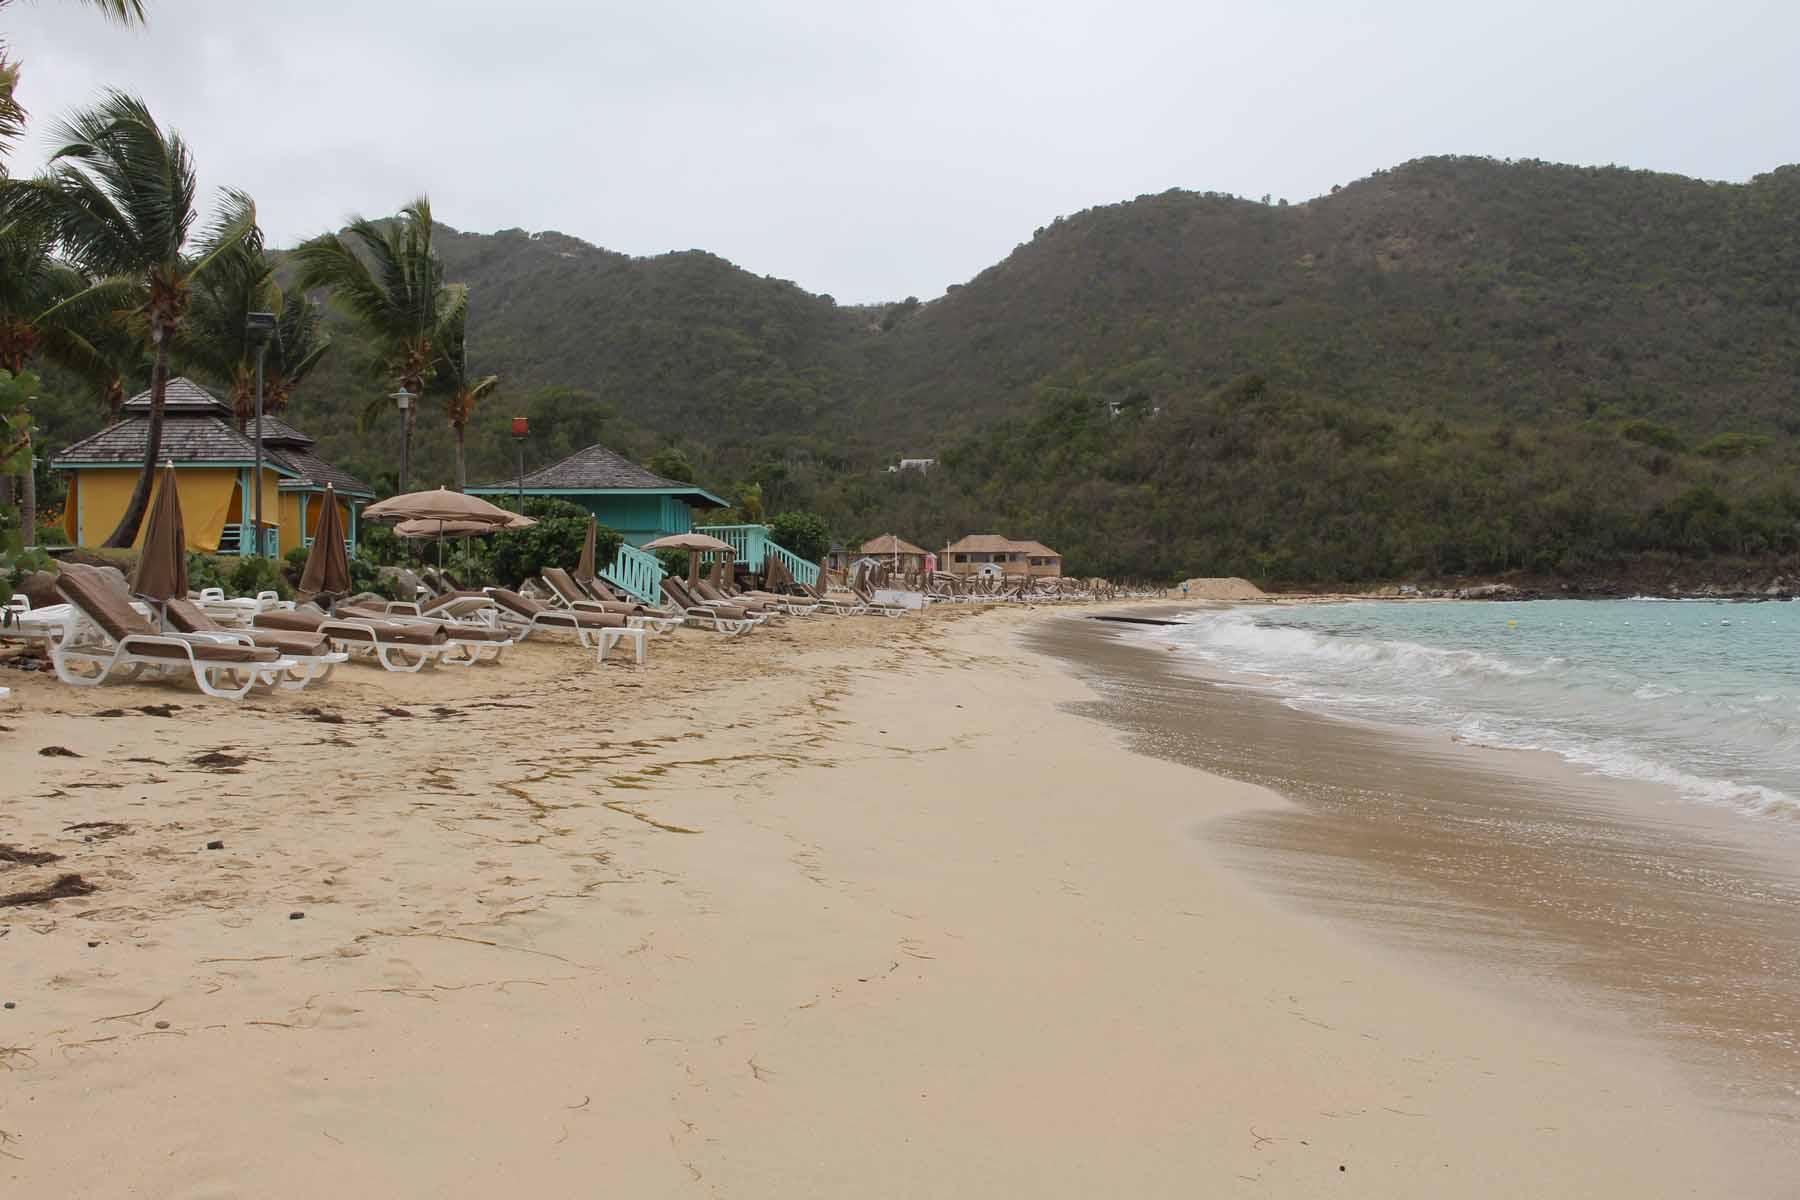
(1456, 366)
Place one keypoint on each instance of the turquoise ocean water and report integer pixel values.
(1700, 696)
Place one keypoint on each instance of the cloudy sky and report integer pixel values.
(876, 150)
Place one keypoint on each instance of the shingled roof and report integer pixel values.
(184, 396)
(316, 472)
(198, 428)
(277, 432)
(598, 469)
(189, 439)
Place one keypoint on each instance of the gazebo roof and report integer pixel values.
(597, 469)
(198, 430)
(889, 543)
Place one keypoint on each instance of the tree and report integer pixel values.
(671, 463)
(218, 341)
(804, 533)
(461, 391)
(118, 198)
(387, 277)
(12, 114)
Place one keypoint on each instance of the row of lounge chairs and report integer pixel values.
(230, 645)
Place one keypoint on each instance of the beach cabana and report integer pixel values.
(214, 465)
(896, 553)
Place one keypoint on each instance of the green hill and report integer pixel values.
(1456, 366)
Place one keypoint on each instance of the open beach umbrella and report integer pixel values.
(439, 505)
(584, 569)
(423, 527)
(695, 544)
(162, 572)
(327, 570)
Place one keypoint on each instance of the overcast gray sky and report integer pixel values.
(884, 149)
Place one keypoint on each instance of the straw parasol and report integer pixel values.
(424, 527)
(327, 570)
(162, 571)
(439, 505)
(695, 544)
(584, 569)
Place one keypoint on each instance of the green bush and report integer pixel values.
(248, 576)
(382, 546)
(20, 565)
(205, 571)
(555, 541)
(804, 533)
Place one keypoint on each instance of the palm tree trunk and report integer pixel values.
(461, 475)
(126, 533)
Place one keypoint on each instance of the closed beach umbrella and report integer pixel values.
(439, 505)
(327, 571)
(584, 569)
(695, 544)
(162, 572)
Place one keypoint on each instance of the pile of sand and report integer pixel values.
(1229, 588)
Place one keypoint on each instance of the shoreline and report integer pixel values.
(850, 906)
(1671, 912)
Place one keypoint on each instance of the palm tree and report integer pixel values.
(300, 342)
(12, 114)
(217, 340)
(389, 279)
(461, 391)
(119, 199)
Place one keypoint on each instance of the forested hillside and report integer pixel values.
(1458, 365)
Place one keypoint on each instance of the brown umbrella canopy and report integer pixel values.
(694, 544)
(690, 541)
(162, 572)
(327, 570)
(584, 570)
(423, 528)
(439, 505)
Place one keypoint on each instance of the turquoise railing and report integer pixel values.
(747, 540)
(232, 540)
(636, 572)
(753, 546)
(803, 572)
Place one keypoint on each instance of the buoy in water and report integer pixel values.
(1512, 622)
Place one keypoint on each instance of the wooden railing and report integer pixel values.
(637, 572)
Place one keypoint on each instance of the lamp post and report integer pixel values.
(259, 327)
(521, 429)
(404, 399)
(29, 499)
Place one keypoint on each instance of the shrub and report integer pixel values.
(555, 541)
(382, 546)
(204, 571)
(804, 533)
(251, 575)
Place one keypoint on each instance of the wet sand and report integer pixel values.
(846, 907)
(1621, 905)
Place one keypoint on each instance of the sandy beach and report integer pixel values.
(846, 907)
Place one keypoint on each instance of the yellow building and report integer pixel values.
(214, 470)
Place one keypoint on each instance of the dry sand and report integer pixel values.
(846, 908)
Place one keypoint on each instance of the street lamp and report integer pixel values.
(521, 429)
(29, 499)
(259, 327)
(404, 399)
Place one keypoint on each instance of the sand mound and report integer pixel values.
(1231, 588)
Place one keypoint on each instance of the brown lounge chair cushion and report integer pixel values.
(189, 617)
(295, 621)
(104, 599)
(565, 585)
(528, 608)
(679, 594)
(437, 602)
(450, 630)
